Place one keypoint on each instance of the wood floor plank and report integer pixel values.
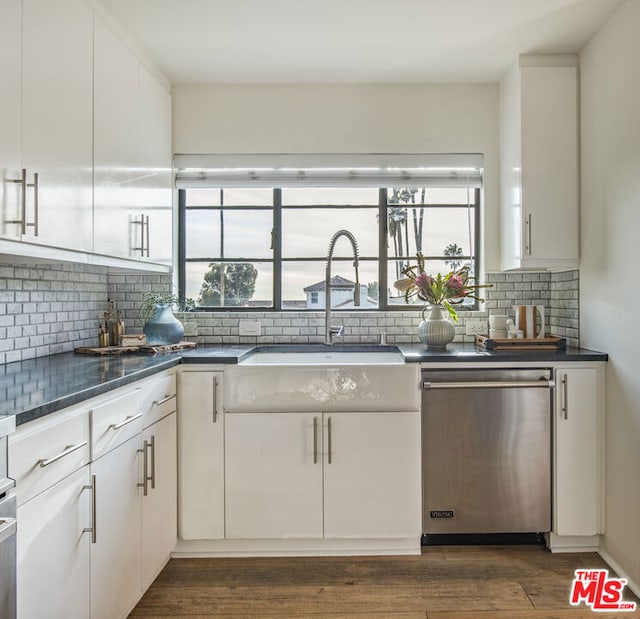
(548, 592)
(283, 601)
(444, 583)
(315, 615)
(249, 601)
(573, 613)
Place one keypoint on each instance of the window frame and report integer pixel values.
(277, 260)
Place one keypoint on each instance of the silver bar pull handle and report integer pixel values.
(529, 234)
(565, 397)
(546, 384)
(34, 225)
(315, 440)
(92, 529)
(126, 422)
(22, 181)
(145, 467)
(164, 400)
(152, 479)
(8, 528)
(145, 225)
(142, 235)
(329, 455)
(6, 484)
(141, 222)
(215, 399)
(69, 449)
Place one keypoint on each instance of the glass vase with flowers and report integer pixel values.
(437, 292)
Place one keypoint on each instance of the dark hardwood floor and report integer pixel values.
(445, 582)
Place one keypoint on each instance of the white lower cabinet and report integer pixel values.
(49, 459)
(53, 551)
(331, 475)
(273, 475)
(159, 503)
(96, 526)
(578, 451)
(372, 482)
(201, 453)
(115, 555)
(135, 494)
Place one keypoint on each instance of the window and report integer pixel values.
(265, 248)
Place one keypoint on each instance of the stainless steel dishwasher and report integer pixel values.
(486, 451)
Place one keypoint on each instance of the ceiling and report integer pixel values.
(361, 41)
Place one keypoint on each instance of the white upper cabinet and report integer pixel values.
(153, 187)
(57, 120)
(539, 163)
(10, 115)
(132, 155)
(85, 155)
(115, 136)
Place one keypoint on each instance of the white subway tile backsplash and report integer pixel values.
(48, 309)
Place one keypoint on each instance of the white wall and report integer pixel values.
(610, 231)
(351, 118)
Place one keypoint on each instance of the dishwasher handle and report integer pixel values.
(490, 384)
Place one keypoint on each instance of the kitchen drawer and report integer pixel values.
(115, 421)
(158, 398)
(44, 452)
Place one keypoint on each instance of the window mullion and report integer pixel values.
(382, 249)
(277, 249)
(182, 247)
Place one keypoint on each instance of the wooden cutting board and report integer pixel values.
(543, 343)
(145, 348)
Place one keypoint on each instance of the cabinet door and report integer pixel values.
(371, 485)
(201, 470)
(159, 504)
(116, 85)
(132, 155)
(550, 166)
(154, 194)
(578, 452)
(115, 557)
(10, 115)
(57, 121)
(53, 551)
(273, 475)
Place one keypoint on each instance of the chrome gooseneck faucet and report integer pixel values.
(329, 330)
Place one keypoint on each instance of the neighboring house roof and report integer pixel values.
(368, 302)
(337, 282)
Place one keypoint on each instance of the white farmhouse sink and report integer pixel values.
(276, 379)
(375, 356)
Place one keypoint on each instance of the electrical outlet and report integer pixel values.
(249, 327)
(190, 328)
(476, 327)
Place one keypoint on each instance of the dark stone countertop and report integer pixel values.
(37, 387)
(463, 353)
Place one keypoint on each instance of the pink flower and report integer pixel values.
(422, 281)
(455, 282)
